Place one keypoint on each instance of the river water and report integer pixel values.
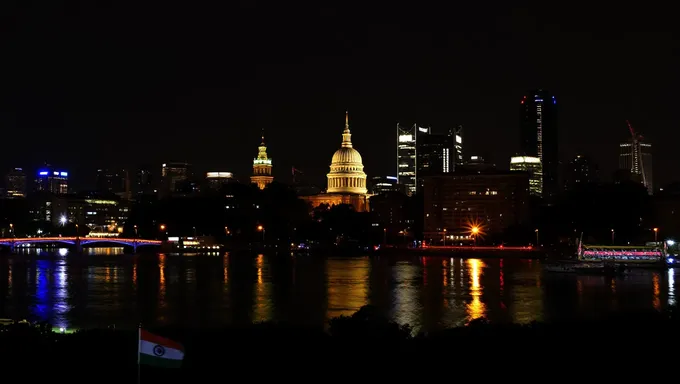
(107, 287)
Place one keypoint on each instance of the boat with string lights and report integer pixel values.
(633, 255)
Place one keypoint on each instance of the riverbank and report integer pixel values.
(352, 347)
(468, 252)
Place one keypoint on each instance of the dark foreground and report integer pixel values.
(357, 348)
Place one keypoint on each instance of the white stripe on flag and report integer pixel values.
(160, 351)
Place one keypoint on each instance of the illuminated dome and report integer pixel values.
(346, 155)
(347, 168)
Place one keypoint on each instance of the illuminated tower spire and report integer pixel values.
(262, 149)
(346, 135)
(262, 166)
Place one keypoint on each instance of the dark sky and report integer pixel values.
(87, 85)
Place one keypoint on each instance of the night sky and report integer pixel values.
(125, 83)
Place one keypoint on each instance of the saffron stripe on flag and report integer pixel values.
(154, 339)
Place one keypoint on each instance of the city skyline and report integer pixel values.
(184, 100)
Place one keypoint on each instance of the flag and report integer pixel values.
(159, 351)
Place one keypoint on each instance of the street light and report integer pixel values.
(11, 229)
(444, 237)
(136, 232)
(613, 236)
(536, 230)
(475, 231)
(162, 227)
(261, 228)
(384, 236)
(656, 234)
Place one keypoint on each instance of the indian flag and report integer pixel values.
(159, 351)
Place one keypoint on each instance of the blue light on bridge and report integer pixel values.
(63, 174)
(43, 173)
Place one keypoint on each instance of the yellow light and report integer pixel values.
(259, 227)
(656, 229)
(475, 230)
(162, 227)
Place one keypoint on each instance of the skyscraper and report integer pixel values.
(533, 166)
(435, 154)
(406, 157)
(457, 134)
(172, 177)
(422, 153)
(52, 180)
(16, 183)
(581, 170)
(636, 157)
(539, 136)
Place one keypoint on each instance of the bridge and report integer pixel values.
(78, 242)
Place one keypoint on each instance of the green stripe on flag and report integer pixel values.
(159, 361)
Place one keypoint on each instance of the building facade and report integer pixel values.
(422, 153)
(216, 180)
(52, 180)
(491, 201)
(539, 137)
(581, 170)
(533, 167)
(406, 157)
(173, 178)
(113, 182)
(262, 167)
(15, 183)
(385, 184)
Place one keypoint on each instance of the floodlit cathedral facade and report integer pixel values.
(346, 179)
(262, 167)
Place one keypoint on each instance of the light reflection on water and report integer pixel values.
(476, 308)
(103, 287)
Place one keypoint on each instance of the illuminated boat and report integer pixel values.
(637, 254)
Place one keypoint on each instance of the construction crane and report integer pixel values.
(295, 172)
(636, 153)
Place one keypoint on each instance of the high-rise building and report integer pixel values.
(531, 165)
(16, 184)
(216, 180)
(421, 153)
(52, 180)
(406, 157)
(115, 182)
(435, 154)
(173, 175)
(581, 170)
(144, 182)
(636, 157)
(539, 136)
(262, 167)
(457, 134)
(385, 184)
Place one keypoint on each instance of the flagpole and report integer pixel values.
(139, 351)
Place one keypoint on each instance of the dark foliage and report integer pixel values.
(363, 345)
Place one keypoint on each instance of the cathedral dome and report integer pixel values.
(347, 169)
(346, 155)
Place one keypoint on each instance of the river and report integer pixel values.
(106, 287)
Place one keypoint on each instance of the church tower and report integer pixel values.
(262, 167)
